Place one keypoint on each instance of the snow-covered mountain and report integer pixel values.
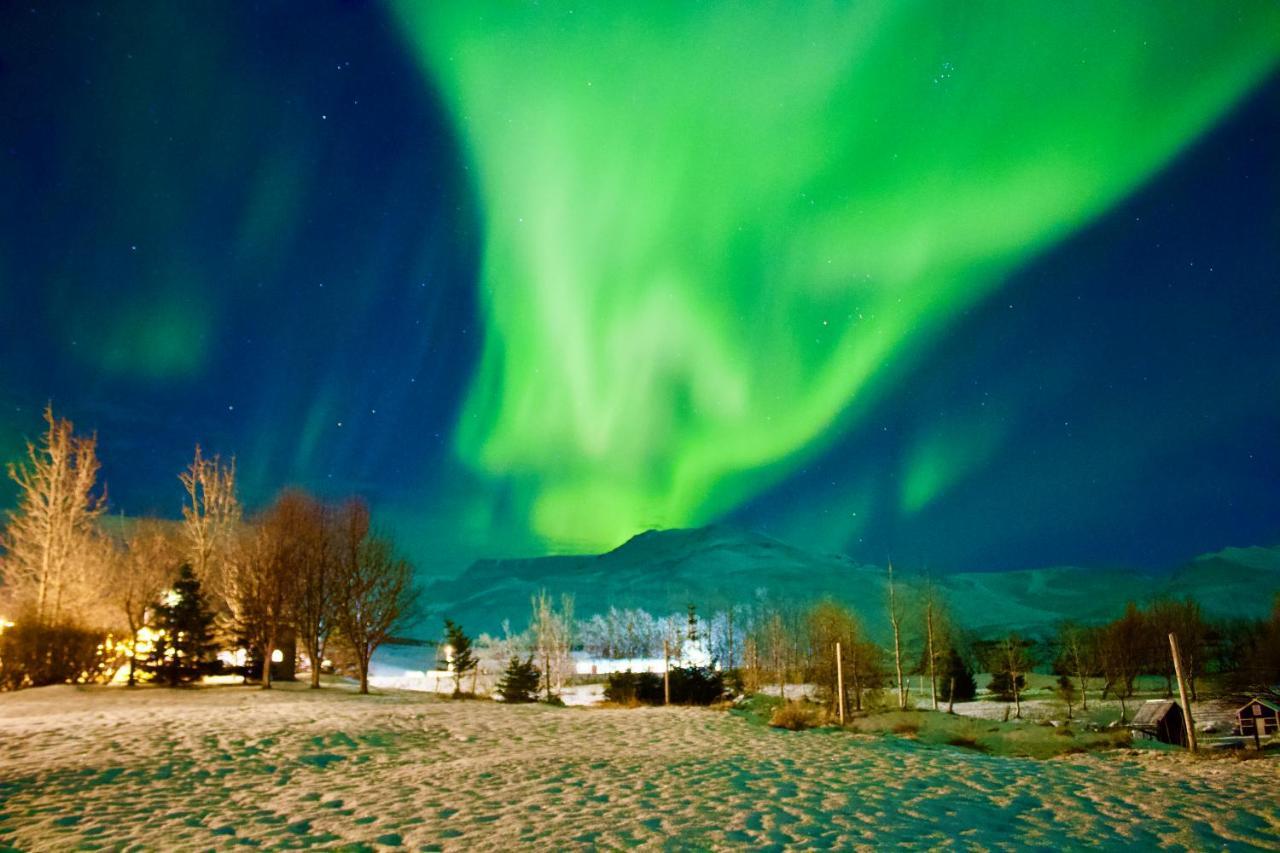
(664, 570)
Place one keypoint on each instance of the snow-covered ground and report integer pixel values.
(223, 766)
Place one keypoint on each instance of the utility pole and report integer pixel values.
(839, 684)
(666, 673)
(1182, 692)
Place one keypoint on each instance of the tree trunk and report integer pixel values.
(730, 638)
(894, 620)
(933, 678)
(313, 651)
(857, 685)
(133, 658)
(268, 650)
(897, 665)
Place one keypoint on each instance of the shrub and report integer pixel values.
(906, 727)
(967, 741)
(696, 685)
(630, 688)
(35, 655)
(794, 717)
(693, 685)
(519, 683)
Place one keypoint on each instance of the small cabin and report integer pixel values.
(1162, 720)
(1259, 717)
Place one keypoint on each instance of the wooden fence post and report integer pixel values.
(1182, 692)
(666, 673)
(839, 684)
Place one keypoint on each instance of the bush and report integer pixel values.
(967, 741)
(34, 655)
(696, 685)
(794, 717)
(631, 688)
(519, 683)
(692, 685)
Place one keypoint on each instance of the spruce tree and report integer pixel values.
(464, 660)
(520, 681)
(184, 649)
(957, 671)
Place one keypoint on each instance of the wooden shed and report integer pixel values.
(1162, 720)
(1259, 717)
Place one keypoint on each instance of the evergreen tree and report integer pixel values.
(957, 682)
(184, 650)
(520, 681)
(464, 660)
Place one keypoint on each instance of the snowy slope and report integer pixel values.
(714, 566)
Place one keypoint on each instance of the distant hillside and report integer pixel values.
(663, 570)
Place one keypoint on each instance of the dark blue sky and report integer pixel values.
(258, 231)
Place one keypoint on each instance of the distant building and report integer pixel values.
(1162, 720)
(1259, 717)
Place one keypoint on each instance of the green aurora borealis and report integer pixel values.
(975, 285)
(711, 236)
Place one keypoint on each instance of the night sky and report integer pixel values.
(981, 286)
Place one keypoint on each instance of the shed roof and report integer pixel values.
(1153, 711)
(1266, 703)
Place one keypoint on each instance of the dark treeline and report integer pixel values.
(84, 595)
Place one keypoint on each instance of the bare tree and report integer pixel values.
(550, 630)
(895, 622)
(263, 575)
(210, 513)
(1013, 661)
(141, 571)
(374, 595)
(830, 624)
(48, 537)
(934, 612)
(1121, 647)
(319, 534)
(1078, 654)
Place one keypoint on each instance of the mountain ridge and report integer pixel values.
(663, 571)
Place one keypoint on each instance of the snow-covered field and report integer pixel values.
(224, 766)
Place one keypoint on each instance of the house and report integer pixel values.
(1260, 717)
(1162, 720)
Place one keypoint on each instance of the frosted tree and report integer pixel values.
(210, 513)
(49, 537)
(551, 631)
(934, 618)
(896, 616)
